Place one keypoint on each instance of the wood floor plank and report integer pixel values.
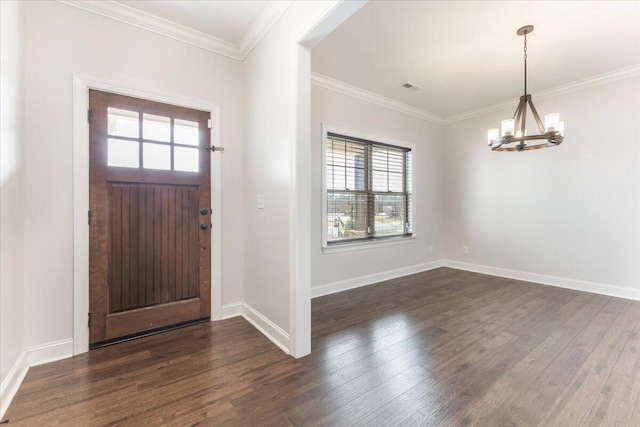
(579, 397)
(443, 347)
(533, 402)
(539, 347)
(616, 402)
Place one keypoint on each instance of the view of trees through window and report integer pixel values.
(368, 189)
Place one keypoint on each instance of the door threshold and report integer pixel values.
(149, 332)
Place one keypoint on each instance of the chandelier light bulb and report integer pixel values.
(551, 122)
(560, 128)
(493, 136)
(508, 126)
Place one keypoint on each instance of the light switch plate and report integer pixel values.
(260, 201)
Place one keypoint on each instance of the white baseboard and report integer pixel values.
(12, 381)
(231, 310)
(560, 282)
(50, 352)
(344, 285)
(266, 326)
(32, 356)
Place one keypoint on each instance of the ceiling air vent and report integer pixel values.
(412, 86)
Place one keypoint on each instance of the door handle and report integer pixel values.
(204, 226)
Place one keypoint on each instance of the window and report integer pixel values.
(368, 190)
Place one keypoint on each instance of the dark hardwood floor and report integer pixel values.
(444, 347)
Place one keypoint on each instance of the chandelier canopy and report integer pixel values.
(514, 129)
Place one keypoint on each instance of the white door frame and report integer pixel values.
(81, 86)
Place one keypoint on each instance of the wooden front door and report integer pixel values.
(149, 219)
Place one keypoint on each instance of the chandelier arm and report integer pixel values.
(523, 119)
(516, 117)
(515, 113)
(536, 116)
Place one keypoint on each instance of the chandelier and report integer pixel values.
(514, 129)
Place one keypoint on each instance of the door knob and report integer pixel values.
(204, 226)
(203, 212)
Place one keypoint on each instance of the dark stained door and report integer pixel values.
(150, 217)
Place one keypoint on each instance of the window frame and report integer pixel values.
(370, 242)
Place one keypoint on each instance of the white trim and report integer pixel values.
(564, 89)
(370, 279)
(266, 326)
(129, 15)
(324, 23)
(355, 92)
(356, 246)
(81, 86)
(560, 282)
(374, 98)
(12, 382)
(50, 352)
(326, 248)
(299, 203)
(215, 171)
(314, 27)
(272, 11)
(231, 310)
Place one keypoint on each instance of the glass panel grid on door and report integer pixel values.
(147, 141)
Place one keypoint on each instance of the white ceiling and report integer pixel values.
(466, 54)
(225, 20)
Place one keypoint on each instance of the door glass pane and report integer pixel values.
(157, 128)
(156, 156)
(122, 153)
(390, 214)
(186, 159)
(185, 132)
(123, 122)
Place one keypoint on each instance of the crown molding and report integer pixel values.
(347, 89)
(623, 73)
(272, 11)
(374, 98)
(129, 15)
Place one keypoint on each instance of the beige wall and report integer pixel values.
(12, 330)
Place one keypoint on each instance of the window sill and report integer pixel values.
(356, 246)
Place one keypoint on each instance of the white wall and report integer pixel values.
(270, 105)
(570, 212)
(12, 343)
(332, 108)
(61, 40)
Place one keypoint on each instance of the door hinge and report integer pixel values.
(88, 116)
(89, 319)
(209, 123)
(89, 217)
